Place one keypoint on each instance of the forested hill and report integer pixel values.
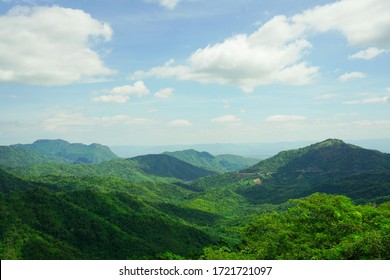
(166, 166)
(329, 200)
(330, 166)
(58, 151)
(329, 156)
(219, 163)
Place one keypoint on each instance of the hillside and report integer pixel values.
(167, 166)
(147, 168)
(157, 206)
(220, 163)
(329, 156)
(331, 166)
(59, 151)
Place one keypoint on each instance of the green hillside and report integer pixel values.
(140, 169)
(167, 166)
(329, 156)
(58, 151)
(317, 202)
(220, 163)
(81, 218)
(331, 166)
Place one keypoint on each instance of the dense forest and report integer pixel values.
(329, 200)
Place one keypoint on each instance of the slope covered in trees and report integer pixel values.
(219, 163)
(318, 227)
(146, 208)
(59, 151)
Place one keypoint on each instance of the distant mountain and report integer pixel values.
(60, 151)
(220, 163)
(146, 168)
(167, 166)
(331, 166)
(330, 156)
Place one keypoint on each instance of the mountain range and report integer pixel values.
(60, 151)
(219, 163)
(73, 201)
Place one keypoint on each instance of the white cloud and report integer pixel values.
(272, 54)
(370, 100)
(138, 89)
(64, 122)
(368, 54)
(285, 118)
(164, 93)
(352, 75)
(168, 4)
(121, 94)
(227, 119)
(50, 46)
(119, 99)
(180, 123)
(363, 22)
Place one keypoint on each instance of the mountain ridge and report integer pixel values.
(220, 163)
(323, 157)
(58, 150)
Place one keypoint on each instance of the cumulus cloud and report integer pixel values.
(351, 75)
(138, 89)
(168, 4)
(180, 123)
(368, 54)
(51, 46)
(164, 93)
(363, 22)
(272, 54)
(121, 94)
(227, 119)
(285, 118)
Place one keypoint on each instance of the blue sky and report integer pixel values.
(160, 72)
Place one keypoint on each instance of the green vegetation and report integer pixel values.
(326, 201)
(318, 227)
(167, 166)
(59, 151)
(220, 163)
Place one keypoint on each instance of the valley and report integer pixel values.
(327, 200)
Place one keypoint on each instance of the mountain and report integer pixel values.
(60, 151)
(331, 166)
(160, 207)
(331, 156)
(220, 163)
(167, 166)
(148, 168)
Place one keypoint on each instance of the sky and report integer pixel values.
(161, 72)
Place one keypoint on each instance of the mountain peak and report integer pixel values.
(51, 141)
(330, 142)
(327, 156)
